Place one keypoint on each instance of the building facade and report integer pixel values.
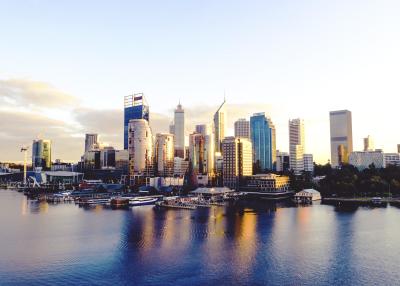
(242, 128)
(270, 183)
(364, 159)
(196, 152)
(41, 154)
(140, 148)
(164, 154)
(209, 153)
(391, 159)
(180, 166)
(179, 131)
(91, 141)
(308, 163)
(341, 137)
(296, 145)
(220, 119)
(135, 107)
(262, 142)
(237, 161)
(368, 144)
(282, 161)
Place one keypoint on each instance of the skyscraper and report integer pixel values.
(209, 154)
(368, 144)
(135, 107)
(273, 143)
(41, 153)
(90, 141)
(164, 154)
(398, 148)
(296, 145)
(220, 118)
(179, 131)
(237, 160)
(262, 133)
(341, 136)
(203, 129)
(196, 152)
(242, 128)
(140, 147)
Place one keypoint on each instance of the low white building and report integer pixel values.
(363, 159)
(392, 159)
(307, 195)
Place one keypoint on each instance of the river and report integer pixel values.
(246, 244)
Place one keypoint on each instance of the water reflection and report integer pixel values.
(249, 243)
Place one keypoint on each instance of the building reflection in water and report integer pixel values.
(246, 242)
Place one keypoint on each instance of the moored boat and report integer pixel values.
(141, 201)
(119, 202)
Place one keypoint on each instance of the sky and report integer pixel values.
(65, 67)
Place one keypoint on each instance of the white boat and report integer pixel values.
(141, 201)
(96, 202)
(376, 200)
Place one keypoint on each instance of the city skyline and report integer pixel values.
(71, 80)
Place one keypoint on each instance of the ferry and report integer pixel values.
(141, 201)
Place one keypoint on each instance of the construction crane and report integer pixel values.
(25, 150)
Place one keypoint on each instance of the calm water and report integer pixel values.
(42, 244)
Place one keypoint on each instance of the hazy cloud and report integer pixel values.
(25, 92)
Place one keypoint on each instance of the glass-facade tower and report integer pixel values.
(135, 107)
(261, 138)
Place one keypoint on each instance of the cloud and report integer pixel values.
(20, 128)
(28, 93)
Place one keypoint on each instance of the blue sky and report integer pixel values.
(288, 58)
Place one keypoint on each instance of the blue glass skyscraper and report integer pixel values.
(135, 107)
(261, 133)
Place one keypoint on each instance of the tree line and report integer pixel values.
(348, 181)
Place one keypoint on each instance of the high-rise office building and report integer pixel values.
(282, 161)
(164, 154)
(140, 147)
(220, 118)
(209, 153)
(341, 136)
(237, 161)
(196, 152)
(368, 144)
(135, 107)
(262, 132)
(41, 154)
(204, 129)
(91, 141)
(296, 145)
(242, 128)
(273, 143)
(179, 131)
